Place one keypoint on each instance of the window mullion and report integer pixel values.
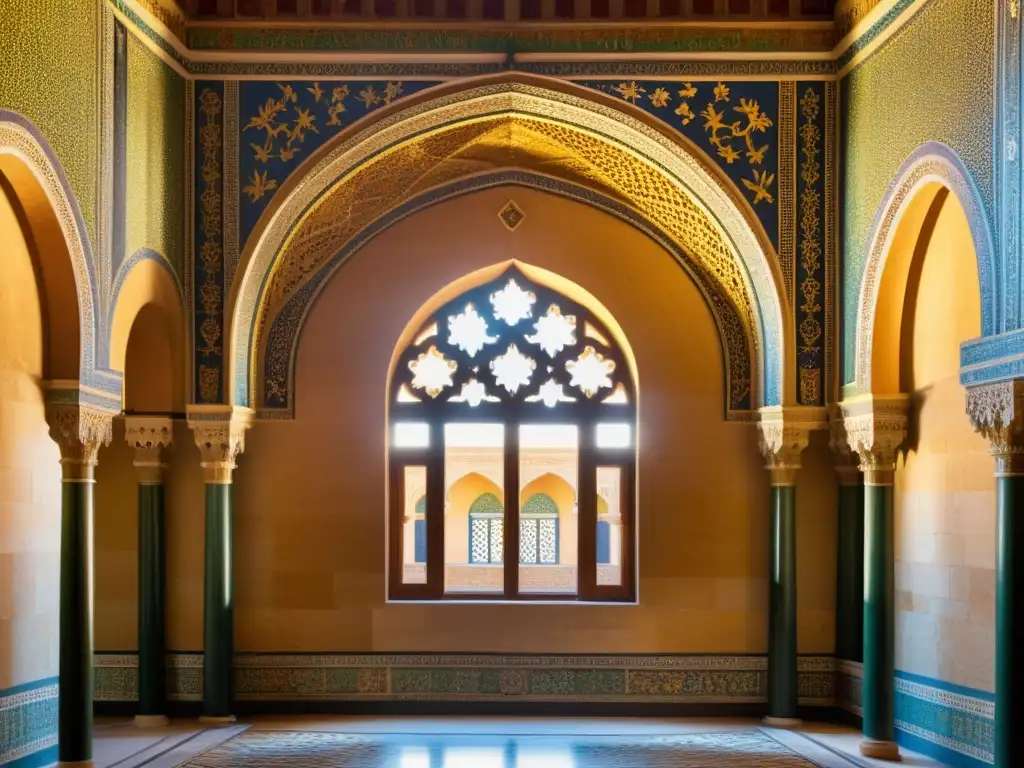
(511, 559)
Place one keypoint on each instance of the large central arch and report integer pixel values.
(555, 127)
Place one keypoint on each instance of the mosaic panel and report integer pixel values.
(28, 723)
(282, 124)
(735, 123)
(888, 112)
(155, 157)
(56, 46)
(811, 252)
(209, 241)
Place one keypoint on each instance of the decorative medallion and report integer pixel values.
(511, 215)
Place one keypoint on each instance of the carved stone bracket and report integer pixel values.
(847, 462)
(876, 427)
(219, 432)
(783, 433)
(997, 412)
(149, 436)
(80, 432)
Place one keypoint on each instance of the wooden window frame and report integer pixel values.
(512, 412)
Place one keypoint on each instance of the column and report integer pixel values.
(220, 434)
(997, 412)
(79, 432)
(783, 435)
(150, 436)
(849, 545)
(875, 429)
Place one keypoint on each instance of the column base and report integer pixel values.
(76, 763)
(151, 721)
(217, 719)
(782, 722)
(880, 750)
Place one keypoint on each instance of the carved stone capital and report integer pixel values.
(782, 434)
(219, 432)
(80, 432)
(876, 427)
(996, 411)
(847, 462)
(149, 436)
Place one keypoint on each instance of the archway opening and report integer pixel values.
(38, 339)
(929, 302)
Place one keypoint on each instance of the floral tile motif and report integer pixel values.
(28, 719)
(699, 684)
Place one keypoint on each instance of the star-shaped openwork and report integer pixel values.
(555, 331)
(551, 393)
(473, 392)
(432, 371)
(513, 369)
(590, 371)
(512, 303)
(468, 331)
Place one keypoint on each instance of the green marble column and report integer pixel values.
(76, 620)
(878, 692)
(850, 566)
(1009, 725)
(220, 435)
(79, 433)
(782, 658)
(149, 436)
(218, 604)
(875, 427)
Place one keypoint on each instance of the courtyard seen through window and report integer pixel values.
(512, 452)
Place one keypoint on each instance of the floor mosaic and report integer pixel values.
(754, 748)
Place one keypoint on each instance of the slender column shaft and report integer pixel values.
(152, 672)
(878, 692)
(218, 620)
(1009, 733)
(850, 573)
(76, 615)
(782, 672)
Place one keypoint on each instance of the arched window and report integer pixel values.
(516, 411)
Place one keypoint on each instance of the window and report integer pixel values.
(512, 452)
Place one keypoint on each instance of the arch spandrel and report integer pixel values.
(613, 150)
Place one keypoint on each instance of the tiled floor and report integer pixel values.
(454, 742)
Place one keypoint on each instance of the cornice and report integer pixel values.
(754, 50)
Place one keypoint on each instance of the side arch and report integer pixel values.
(51, 216)
(930, 168)
(284, 230)
(146, 289)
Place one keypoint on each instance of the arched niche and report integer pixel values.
(147, 335)
(338, 200)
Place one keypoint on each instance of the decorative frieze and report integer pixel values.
(783, 433)
(149, 436)
(79, 431)
(219, 433)
(876, 427)
(996, 412)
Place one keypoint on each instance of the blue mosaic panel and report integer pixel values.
(281, 124)
(28, 723)
(735, 123)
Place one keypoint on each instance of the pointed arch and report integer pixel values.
(290, 242)
(52, 219)
(931, 168)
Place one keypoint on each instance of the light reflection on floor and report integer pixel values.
(753, 748)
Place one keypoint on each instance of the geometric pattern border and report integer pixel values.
(477, 677)
(28, 720)
(952, 725)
